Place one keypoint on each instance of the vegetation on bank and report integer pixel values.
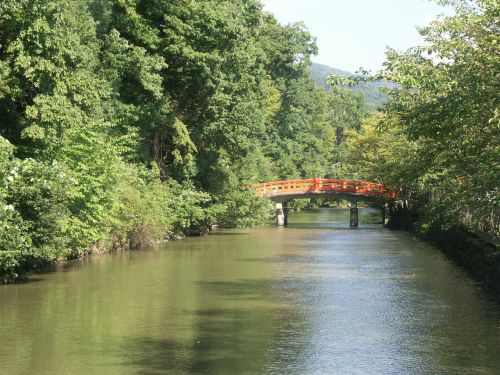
(438, 138)
(123, 122)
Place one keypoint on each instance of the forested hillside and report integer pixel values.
(127, 122)
(374, 98)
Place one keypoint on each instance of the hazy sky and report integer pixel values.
(355, 33)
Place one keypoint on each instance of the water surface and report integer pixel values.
(313, 298)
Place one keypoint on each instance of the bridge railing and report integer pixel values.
(324, 185)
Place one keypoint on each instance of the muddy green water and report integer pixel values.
(314, 298)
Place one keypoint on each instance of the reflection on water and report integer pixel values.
(313, 298)
(334, 218)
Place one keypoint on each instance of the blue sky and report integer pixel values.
(355, 33)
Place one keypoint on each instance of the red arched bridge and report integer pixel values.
(281, 192)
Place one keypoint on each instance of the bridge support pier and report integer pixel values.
(354, 215)
(384, 214)
(281, 214)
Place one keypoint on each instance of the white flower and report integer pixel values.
(9, 207)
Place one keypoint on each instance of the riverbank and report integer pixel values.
(477, 256)
(17, 267)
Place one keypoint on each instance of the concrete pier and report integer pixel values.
(354, 215)
(280, 215)
(384, 214)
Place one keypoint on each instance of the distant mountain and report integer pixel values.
(373, 97)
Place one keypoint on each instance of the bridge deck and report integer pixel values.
(281, 191)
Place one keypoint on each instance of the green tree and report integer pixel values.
(124, 122)
(447, 104)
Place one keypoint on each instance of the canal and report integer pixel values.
(313, 298)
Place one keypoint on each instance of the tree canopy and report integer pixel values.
(127, 121)
(445, 114)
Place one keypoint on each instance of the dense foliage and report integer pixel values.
(123, 122)
(439, 136)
